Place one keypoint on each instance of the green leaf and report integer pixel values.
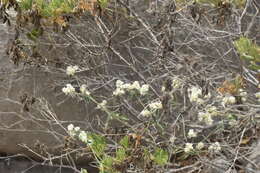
(248, 51)
(106, 165)
(121, 154)
(124, 142)
(103, 3)
(160, 156)
(98, 144)
(26, 4)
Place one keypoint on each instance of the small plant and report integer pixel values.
(249, 52)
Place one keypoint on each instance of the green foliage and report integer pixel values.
(106, 165)
(52, 8)
(103, 3)
(160, 156)
(239, 3)
(26, 4)
(121, 154)
(248, 51)
(34, 34)
(98, 144)
(124, 142)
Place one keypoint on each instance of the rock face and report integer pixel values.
(20, 124)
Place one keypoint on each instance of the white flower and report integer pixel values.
(87, 92)
(119, 83)
(199, 146)
(77, 129)
(188, 147)
(83, 136)
(194, 94)
(163, 88)
(118, 92)
(145, 113)
(257, 95)
(144, 89)
(201, 116)
(83, 88)
(176, 83)
(242, 93)
(71, 70)
(155, 105)
(211, 109)
(172, 139)
(70, 127)
(228, 100)
(215, 147)
(243, 99)
(68, 90)
(135, 85)
(208, 120)
(102, 104)
(206, 117)
(192, 134)
(126, 86)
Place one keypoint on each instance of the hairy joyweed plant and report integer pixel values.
(157, 91)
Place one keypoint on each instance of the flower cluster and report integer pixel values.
(243, 95)
(200, 146)
(156, 105)
(69, 90)
(228, 100)
(195, 94)
(102, 105)
(215, 147)
(153, 106)
(72, 130)
(146, 113)
(122, 87)
(82, 135)
(205, 117)
(83, 90)
(192, 134)
(212, 110)
(176, 83)
(71, 70)
(188, 147)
